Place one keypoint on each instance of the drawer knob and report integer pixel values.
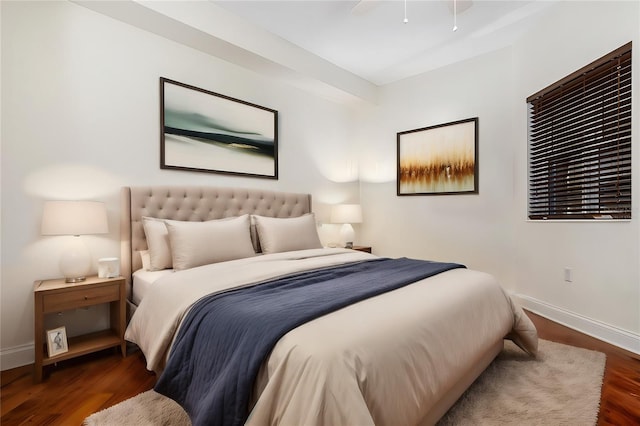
(86, 298)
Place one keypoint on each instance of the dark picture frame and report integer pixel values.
(438, 160)
(204, 131)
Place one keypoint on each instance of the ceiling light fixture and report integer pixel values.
(455, 12)
(405, 12)
(455, 16)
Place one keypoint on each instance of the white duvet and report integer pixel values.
(386, 360)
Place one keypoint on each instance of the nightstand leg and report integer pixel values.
(38, 338)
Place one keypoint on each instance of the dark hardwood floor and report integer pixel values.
(76, 388)
(620, 399)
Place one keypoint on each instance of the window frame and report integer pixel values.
(579, 157)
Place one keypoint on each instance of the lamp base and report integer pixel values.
(346, 235)
(75, 262)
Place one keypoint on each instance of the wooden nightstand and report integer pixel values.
(362, 248)
(56, 296)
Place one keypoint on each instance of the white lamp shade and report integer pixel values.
(74, 218)
(346, 213)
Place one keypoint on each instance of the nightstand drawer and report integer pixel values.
(67, 300)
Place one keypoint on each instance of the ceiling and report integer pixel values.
(342, 50)
(370, 39)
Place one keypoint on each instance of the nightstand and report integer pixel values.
(362, 248)
(52, 296)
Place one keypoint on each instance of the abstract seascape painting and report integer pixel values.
(439, 160)
(209, 132)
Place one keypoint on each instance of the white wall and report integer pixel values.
(490, 231)
(605, 257)
(474, 229)
(80, 119)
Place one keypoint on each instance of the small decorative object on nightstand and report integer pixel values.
(52, 296)
(108, 267)
(365, 249)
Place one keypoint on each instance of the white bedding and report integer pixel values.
(385, 360)
(157, 317)
(142, 282)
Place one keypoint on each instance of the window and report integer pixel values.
(580, 143)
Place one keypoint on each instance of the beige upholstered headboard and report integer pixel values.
(194, 203)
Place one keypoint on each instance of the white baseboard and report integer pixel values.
(16, 357)
(616, 336)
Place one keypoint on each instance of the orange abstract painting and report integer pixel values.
(440, 159)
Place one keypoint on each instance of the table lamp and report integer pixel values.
(346, 214)
(74, 218)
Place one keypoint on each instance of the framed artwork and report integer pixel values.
(205, 131)
(57, 341)
(439, 160)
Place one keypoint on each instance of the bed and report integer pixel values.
(401, 356)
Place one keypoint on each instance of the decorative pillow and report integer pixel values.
(158, 242)
(146, 259)
(254, 235)
(287, 234)
(201, 243)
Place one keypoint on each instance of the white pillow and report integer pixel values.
(201, 243)
(286, 234)
(158, 243)
(146, 259)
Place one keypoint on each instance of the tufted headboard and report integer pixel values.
(194, 203)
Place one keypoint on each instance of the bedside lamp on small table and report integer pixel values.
(74, 218)
(346, 214)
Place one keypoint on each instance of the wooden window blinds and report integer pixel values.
(580, 143)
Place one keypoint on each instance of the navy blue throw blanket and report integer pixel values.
(225, 337)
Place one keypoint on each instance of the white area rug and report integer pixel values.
(561, 387)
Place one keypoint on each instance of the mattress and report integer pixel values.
(143, 281)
